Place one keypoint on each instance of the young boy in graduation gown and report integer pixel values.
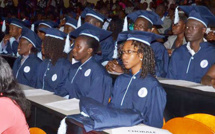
(107, 45)
(192, 60)
(87, 77)
(144, 21)
(25, 66)
(10, 42)
(53, 71)
(137, 96)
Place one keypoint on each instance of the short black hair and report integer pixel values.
(92, 43)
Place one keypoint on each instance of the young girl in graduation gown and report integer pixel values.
(53, 71)
(137, 95)
(138, 88)
(25, 66)
(87, 77)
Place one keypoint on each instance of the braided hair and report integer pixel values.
(148, 60)
(54, 49)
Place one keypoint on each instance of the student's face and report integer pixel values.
(14, 30)
(81, 52)
(42, 49)
(141, 24)
(194, 30)
(93, 21)
(68, 29)
(24, 47)
(41, 35)
(130, 57)
(178, 28)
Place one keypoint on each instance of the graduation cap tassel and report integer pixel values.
(125, 25)
(3, 28)
(115, 53)
(32, 27)
(62, 127)
(79, 22)
(176, 19)
(67, 45)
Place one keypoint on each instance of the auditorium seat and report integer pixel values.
(36, 130)
(181, 125)
(207, 119)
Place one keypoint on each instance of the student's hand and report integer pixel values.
(113, 66)
(6, 38)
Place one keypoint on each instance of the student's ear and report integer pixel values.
(140, 55)
(19, 30)
(89, 50)
(204, 29)
(30, 46)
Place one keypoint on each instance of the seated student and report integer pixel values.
(25, 66)
(144, 21)
(87, 77)
(10, 41)
(53, 71)
(14, 107)
(107, 45)
(191, 61)
(209, 77)
(178, 38)
(41, 34)
(70, 25)
(137, 95)
(138, 88)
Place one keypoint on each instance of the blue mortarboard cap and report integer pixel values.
(17, 22)
(71, 22)
(48, 23)
(90, 12)
(199, 13)
(31, 37)
(152, 17)
(55, 33)
(91, 31)
(144, 37)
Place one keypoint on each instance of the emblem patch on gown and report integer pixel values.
(204, 63)
(87, 73)
(142, 92)
(54, 77)
(27, 69)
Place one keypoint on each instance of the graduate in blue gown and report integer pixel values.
(137, 95)
(26, 65)
(54, 69)
(107, 45)
(10, 42)
(191, 61)
(87, 77)
(144, 21)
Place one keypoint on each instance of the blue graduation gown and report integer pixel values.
(26, 73)
(161, 59)
(11, 47)
(107, 48)
(144, 95)
(51, 77)
(184, 66)
(89, 79)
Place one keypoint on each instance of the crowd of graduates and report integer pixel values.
(75, 52)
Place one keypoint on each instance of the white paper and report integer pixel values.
(180, 83)
(140, 129)
(36, 92)
(67, 105)
(205, 88)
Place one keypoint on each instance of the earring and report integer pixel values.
(141, 59)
